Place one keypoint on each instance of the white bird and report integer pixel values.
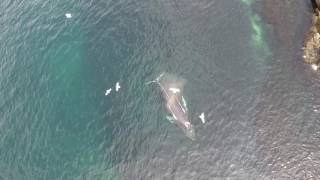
(108, 92)
(174, 90)
(117, 86)
(68, 15)
(202, 118)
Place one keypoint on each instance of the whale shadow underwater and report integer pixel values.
(172, 91)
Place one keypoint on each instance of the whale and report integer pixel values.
(172, 91)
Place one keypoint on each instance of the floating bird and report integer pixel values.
(117, 86)
(202, 118)
(68, 15)
(108, 92)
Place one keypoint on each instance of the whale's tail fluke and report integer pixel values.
(156, 80)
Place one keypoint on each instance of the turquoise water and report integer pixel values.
(57, 123)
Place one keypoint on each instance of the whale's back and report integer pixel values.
(172, 88)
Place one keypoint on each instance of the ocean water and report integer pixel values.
(261, 102)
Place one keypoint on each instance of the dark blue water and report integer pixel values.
(261, 102)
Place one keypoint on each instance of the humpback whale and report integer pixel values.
(172, 87)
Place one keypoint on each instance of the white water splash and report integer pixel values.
(174, 90)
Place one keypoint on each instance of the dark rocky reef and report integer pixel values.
(315, 4)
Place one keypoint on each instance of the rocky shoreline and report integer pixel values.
(311, 49)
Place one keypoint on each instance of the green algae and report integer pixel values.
(258, 37)
(247, 2)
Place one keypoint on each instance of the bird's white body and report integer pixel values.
(68, 15)
(202, 118)
(117, 86)
(108, 92)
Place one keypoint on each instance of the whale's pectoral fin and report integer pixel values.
(184, 103)
(170, 119)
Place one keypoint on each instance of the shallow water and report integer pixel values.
(262, 103)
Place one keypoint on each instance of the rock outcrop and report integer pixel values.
(311, 49)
